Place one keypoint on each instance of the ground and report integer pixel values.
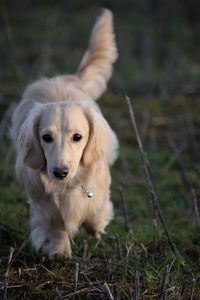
(134, 260)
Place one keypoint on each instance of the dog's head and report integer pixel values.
(59, 138)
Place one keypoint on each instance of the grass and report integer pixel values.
(32, 275)
(132, 263)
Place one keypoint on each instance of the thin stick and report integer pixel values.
(125, 212)
(162, 292)
(128, 249)
(196, 209)
(108, 292)
(137, 285)
(87, 278)
(50, 272)
(44, 283)
(155, 203)
(7, 273)
(191, 297)
(181, 292)
(76, 270)
(78, 292)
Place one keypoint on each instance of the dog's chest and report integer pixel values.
(73, 204)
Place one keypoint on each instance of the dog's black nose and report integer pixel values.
(61, 172)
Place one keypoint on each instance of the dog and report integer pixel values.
(65, 147)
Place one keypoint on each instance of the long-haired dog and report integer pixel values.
(65, 147)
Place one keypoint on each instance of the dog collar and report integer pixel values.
(88, 193)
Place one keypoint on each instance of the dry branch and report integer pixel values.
(163, 289)
(6, 275)
(191, 297)
(76, 270)
(128, 249)
(151, 188)
(108, 292)
(137, 286)
(78, 292)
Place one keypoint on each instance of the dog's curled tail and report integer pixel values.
(95, 68)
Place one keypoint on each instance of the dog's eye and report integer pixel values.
(76, 137)
(47, 138)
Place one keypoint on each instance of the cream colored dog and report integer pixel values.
(65, 148)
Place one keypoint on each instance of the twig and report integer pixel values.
(81, 291)
(191, 297)
(108, 292)
(147, 172)
(87, 278)
(125, 213)
(181, 292)
(43, 284)
(128, 249)
(98, 241)
(76, 270)
(14, 286)
(137, 286)
(155, 203)
(162, 292)
(7, 273)
(196, 209)
(50, 272)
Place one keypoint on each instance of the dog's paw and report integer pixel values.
(56, 245)
(98, 234)
(57, 248)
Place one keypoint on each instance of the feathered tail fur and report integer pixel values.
(95, 68)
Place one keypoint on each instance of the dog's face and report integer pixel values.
(63, 135)
(58, 138)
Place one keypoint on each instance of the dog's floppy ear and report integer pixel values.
(98, 141)
(95, 68)
(28, 146)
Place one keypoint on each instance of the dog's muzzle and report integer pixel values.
(61, 173)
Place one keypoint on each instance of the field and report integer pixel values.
(160, 74)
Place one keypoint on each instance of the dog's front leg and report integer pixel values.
(48, 232)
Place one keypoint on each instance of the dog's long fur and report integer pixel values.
(62, 106)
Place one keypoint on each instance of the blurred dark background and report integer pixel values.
(158, 43)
